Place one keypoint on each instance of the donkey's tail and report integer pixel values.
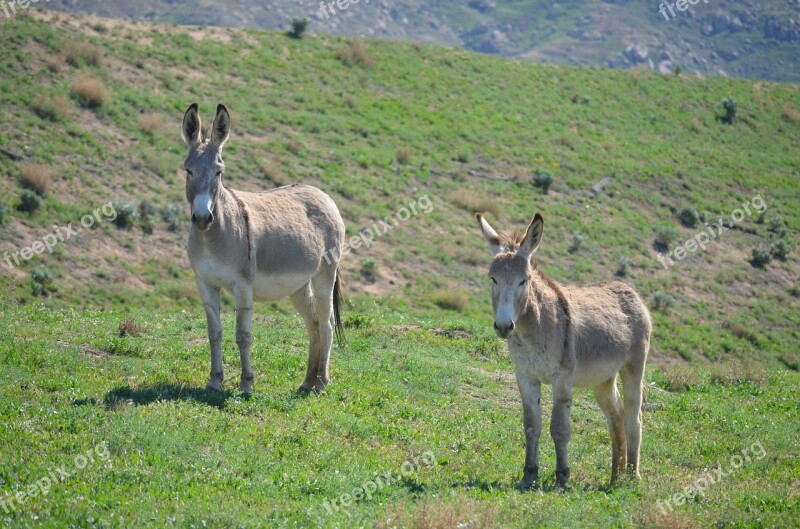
(338, 301)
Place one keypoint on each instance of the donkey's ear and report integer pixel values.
(191, 126)
(533, 236)
(490, 235)
(221, 128)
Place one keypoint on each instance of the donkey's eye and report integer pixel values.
(523, 282)
(189, 174)
(494, 281)
(219, 173)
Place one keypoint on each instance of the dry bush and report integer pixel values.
(403, 155)
(790, 114)
(452, 299)
(355, 55)
(272, 172)
(680, 378)
(37, 178)
(293, 147)
(77, 53)
(90, 92)
(438, 514)
(475, 203)
(734, 371)
(151, 122)
(697, 124)
(54, 108)
(129, 327)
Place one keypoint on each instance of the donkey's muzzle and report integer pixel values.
(203, 220)
(504, 329)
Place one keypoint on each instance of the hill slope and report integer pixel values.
(745, 38)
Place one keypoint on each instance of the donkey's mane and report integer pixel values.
(511, 239)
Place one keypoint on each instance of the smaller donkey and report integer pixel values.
(568, 336)
(260, 246)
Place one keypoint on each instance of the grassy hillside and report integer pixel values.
(91, 119)
(742, 38)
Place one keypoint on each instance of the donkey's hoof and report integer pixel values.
(214, 385)
(319, 387)
(528, 483)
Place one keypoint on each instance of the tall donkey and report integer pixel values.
(568, 336)
(260, 246)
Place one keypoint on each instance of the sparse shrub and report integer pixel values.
(151, 122)
(36, 177)
(689, 217)
(734, 372)
(663, 301)
(41, 283)
(54, 108)
(172, 214)
(475, 202)
(456, 299)
(623, 266)
(780, 249)
(761, 257)
(90, 92)
(577, 241)
(543, 180)
(778, 227)
(761, 217)
(357, 321)
(4, 213)
(148, 212)
(665, 235)
(463, 157)
(679, 378)
(126, 214)
(299, 26)
(30, 201)
(369, 264)
(129, 327)
(355, 55)
(78, 53)
(790, 114)
(403, 155)
(293, 147)
(729, 106)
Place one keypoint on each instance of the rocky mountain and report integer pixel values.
(743, 38)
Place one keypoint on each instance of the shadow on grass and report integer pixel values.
(165, 392)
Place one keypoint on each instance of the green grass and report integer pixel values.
(179, 456)
(423, 371)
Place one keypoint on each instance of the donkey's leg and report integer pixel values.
(303, 301)
(243, 296)
(608, 398)
(323, 301)
(561, 428)
(210, 297)
(531, 392)
(632, 376)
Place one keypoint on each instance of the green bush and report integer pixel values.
(577, 241)
(30, 201)
(689, 217)
(299, 26)
(4, 213)
(543, 180)
(663, 301)
(172, 214)
(148, 212)
(41, 283)
(666, 234)
(780, 249)
(778, 227)
(126, 214)
(761, 257)
(623, 266)
(729, 106)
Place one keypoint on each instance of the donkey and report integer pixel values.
(568, 336)
(261, 246)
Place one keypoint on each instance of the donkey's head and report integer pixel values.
(510, 272)
(204, 165)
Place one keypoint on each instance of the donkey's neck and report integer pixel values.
(546, 299)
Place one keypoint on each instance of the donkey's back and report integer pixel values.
(612, 328)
